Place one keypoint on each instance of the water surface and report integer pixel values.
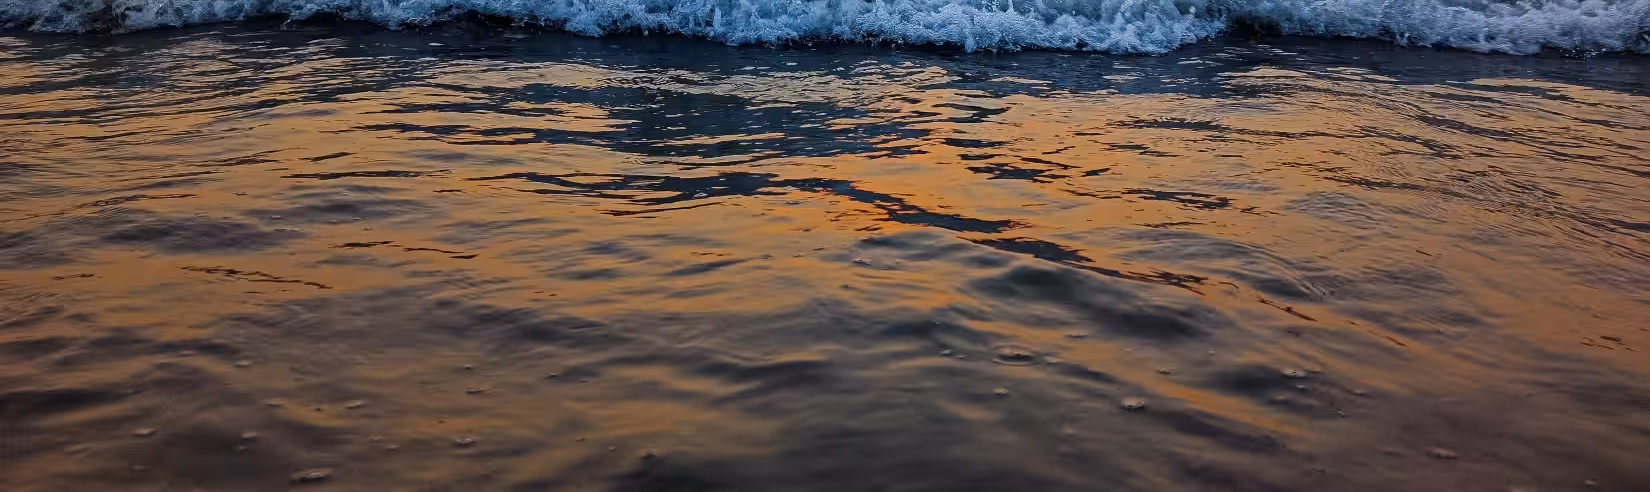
(469, 258)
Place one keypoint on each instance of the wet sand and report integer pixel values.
(334, 257)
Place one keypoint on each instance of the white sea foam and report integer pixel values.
(1122, 26)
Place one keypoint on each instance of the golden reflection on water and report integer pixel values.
(1422, 242)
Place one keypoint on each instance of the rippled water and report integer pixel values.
(478, 259)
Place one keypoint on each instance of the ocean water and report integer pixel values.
(334, 255)
(1115, 26)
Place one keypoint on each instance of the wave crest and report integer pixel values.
(1118, 26)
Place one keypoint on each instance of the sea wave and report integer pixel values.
(1119, 26)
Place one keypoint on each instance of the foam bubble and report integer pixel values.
(1118, 26)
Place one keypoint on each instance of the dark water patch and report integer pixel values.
(164, 184)
(1257, 267)
(978, 114)
(1140, 149)
(253, 276)
(1341, 208)
(1014, 355)
(622, 187)
(1597, 389)
(189, 174)
(245, 160)
(1192, 199)
(1289, 309)
(367, 174)
(1582, 218)
(119, 345)
(1215, 128)
(108, 202)
(918, 246)
(1226, 433)
(116, 345)
(941, 334)
(349, 323)
(654, 210)
(1087, 376)
(19, 169)
(1643, 227)
(183, 235)
(972, 143)
(1432, 147)
(29, 349)
(650, 117)
(469, 232)
(1112, 307)
(923, 246)
(1035, 247)
(1073, 259)
(327, 157)
(704, 267)
(198, 346)
(1174, 123)
(1170, 225)
(25, 249)
(1036, 160)
(21, 406)
(363, 260)
(333, 209)
(23, 317)
(834, 452)
(206, 450)
(1009, 171)
(437, 250)
(56, 242)
(1288, 389)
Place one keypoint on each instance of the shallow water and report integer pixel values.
(657, 263)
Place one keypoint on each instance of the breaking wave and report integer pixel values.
(1119, 26)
